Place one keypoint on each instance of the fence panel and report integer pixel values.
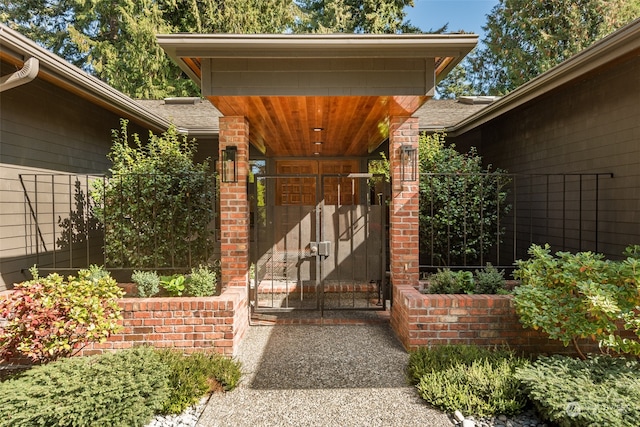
(72, 222)
(468, 220)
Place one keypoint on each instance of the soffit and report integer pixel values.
(287, 85)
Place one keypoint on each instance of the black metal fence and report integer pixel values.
(468, 220)
(71, 222)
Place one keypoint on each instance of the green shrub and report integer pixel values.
(202, 281)
(571, 296)
(470, 379)
(489, 280)
(598, 391)
(446, 281)
(171, 226)
(49, 318)
(115, 389)
(147, 283)
(195, 375)
(426, 360)
(175, 284)
(461, 203)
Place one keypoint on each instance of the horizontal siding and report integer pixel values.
(591, 126)
(44, 130)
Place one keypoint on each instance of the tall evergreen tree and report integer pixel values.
(355, 16)
(115, 39)
(525, 38)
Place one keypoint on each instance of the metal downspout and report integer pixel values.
(28, 72)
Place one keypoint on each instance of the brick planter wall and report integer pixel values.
(188, 324)
(421, 320)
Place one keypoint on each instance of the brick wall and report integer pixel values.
(421, 320)
(404, 212)
(187, 324)
(234, 205)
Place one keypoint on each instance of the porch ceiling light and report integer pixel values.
(318, 129)
(229, 164)
(408, 163)
(318, 143)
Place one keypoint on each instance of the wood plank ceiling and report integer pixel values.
(331, 126)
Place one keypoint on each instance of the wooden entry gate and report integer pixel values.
(319, 242)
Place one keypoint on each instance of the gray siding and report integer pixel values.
(328, 77)
(44, 130)
(590, 126)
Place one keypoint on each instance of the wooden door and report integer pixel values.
(292, 190)
(302, 191)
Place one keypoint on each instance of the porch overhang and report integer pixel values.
(326, 94)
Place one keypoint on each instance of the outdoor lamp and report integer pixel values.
(409, 162)
(229, 166)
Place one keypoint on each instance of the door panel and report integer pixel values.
(349, 272)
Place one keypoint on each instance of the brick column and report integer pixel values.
(404, 212)
(234, 205)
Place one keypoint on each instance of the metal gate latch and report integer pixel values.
(320, 248)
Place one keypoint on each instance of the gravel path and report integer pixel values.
(312, 375)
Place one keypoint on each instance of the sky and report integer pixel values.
(467, 15)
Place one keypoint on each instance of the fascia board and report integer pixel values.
(315, 46)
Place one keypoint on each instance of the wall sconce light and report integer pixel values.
(229, 165)
(409, 162)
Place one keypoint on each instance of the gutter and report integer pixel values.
(27, 73)
(71, 78)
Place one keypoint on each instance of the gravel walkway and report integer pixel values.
(312, 375)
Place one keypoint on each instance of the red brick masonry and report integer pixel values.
(189, 324)
(485, 320)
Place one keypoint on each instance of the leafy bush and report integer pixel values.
(175, 284)
(170, 227)
(115, 389)
(48, 318)
(598, 391)
(195, 375)
(147, 283)
(446, 281)
(581, 295)
(460, 203)
(470, 379)
(489, 280)
(202, 281)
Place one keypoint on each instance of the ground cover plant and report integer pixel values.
(582, 295)
(598, 391)
(52, 317)
(193, 376)
(470, 379)
(116, 389)
(489, 280)
(126, 388)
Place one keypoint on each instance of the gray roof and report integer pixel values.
(440, 114)
(194, 115)
(199, 117)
